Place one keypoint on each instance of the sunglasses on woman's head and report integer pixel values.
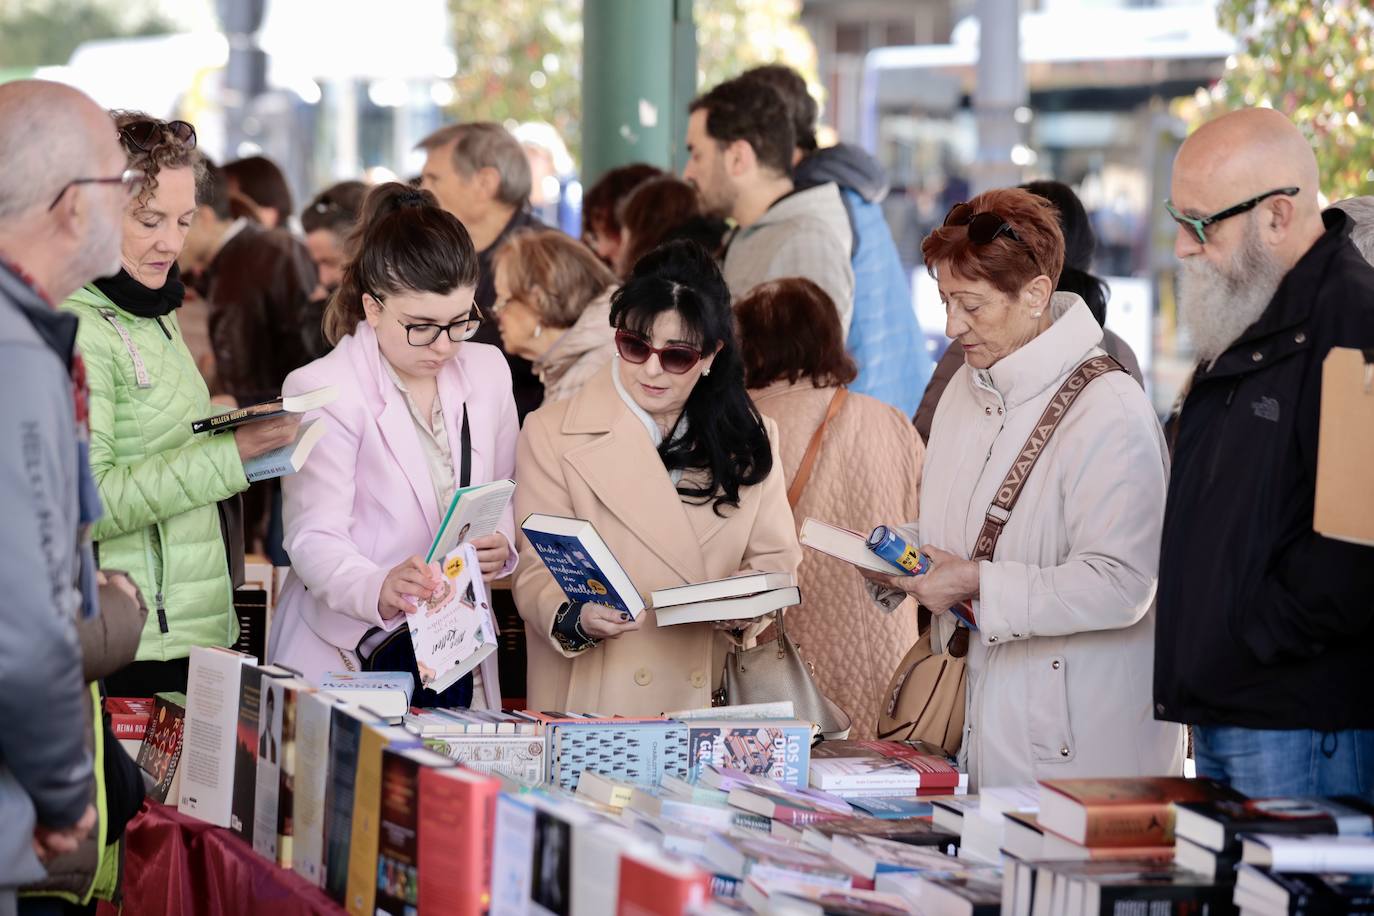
(983, 228)
(674, 358)
(144, 135)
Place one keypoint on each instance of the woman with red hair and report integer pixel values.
(1042, 502)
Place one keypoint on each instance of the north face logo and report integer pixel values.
(1266, 409)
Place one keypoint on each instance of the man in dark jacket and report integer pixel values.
(478, 172)
(1265, 629)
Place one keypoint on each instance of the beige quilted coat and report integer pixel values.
(868, 472)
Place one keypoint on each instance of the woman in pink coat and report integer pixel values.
(362, 512)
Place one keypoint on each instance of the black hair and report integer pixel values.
(261, 181)
(725, 437)
(1079, 245)
(801, 105)
(404, 241)
(753, 111)
(335, 209)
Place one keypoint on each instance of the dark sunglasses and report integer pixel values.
(131, 179)
(1199, 224)
(144, 135)
(674, 358)
(983, 228)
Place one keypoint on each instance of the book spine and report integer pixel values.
(231, 419)
(1130, 825)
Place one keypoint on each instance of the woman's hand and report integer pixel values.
(409, 578)
(493, 551)
(951, 580)
(601, 622)
(254, 439)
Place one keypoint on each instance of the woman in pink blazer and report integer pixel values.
(362, 512)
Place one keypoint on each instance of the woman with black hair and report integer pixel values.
(664, 453)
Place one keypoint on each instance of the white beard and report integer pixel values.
(1216, 305)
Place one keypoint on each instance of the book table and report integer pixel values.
(175, 865)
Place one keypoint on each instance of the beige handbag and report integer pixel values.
(775, 670)
(925, 700)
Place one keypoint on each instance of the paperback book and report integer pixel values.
(255, 710)
(212, 713)
(1218, 824)
(256, 413)
(457, 817)
(398, 843)
(385, 693)
(160, 752)
(637, 752)
(314, 712)
(452, 631)
(288, 459)
(1122, 812)
(517, 757)
(129, 718)
(474, 512)
(779, 749)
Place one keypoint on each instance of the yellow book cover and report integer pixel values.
(361, 896)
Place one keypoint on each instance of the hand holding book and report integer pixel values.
(949, 585)
(601, 622)
(254, 439)
(493, 550)
(409, 580)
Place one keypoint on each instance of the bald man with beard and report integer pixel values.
(1265, 629)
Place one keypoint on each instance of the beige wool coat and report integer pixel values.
(589, 457)
(1061, 670)
(868, 471)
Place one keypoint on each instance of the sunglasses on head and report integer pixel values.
(144, 135)
(983, 228)
(674, 358)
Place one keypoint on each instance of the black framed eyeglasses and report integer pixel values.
(984, 227)
(1199, 224)
(423, 335)
(144, 135)
(132, 179)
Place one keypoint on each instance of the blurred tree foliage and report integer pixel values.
(35, 33)
(521, 60)
(1314, 61)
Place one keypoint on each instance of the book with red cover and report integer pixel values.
(457, 820)
(161, 750)
(788, 806)
(129, 716)
(840, 765)
(398, 867)
(1217, 824)
(652, 884)
(1122, 812)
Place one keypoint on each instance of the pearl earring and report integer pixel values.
(1033, 315)
(705, 371)
(538, 329)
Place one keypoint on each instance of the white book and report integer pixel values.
(313, 715)
(453, 631)
(782, 709)
(276, 740)
(843, 544)
(1322, 853)
(733, 587)
(579, 560)
(512, 856)
(475, 512)
(746, 608)
(212, 716)
(596, 851)
(291, 457)
(384, 693)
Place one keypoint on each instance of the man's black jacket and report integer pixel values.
(1263, 623)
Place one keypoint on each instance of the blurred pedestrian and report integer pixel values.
(263, 183)
(661, 210)
(601, 205)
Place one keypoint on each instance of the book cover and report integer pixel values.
(288, 459)
(787, 805)
(779, 750)
(160, 753)
(1122, 812)
(1301, 892)
(596, 854)
(457, 820)
(361, 891)
(551, 874)
(581, 563)
(747, 607)
(266, 410)
(1318, 853)
(1147, 888)
(386, 693)
(207, 755)
(841, 765)
(893, 807)
(452, 631)
(764, 857)
(636, 752)
(909, 832)
(251, 609)
(129, 717)
(740, 586)
(871, 856)
(976, 891)
(1218, 824)
(313, 714)
(346, 729)
(518, 757)
(254, 683)
(276, 764)
(512, 856)
(398, 843)
(474, 512)
(652, 884)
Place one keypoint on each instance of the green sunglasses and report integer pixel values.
(1199, 224)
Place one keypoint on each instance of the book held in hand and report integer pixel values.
(745, 607)
(474, 512)
(254, 413)
(452, 631)
(843, 544)
(581, 563)
(290, 458)
(734, 587)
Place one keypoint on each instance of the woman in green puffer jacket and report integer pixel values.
(159, 482)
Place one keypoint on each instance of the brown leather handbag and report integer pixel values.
(925, 700)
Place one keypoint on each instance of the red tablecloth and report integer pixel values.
(179, 866)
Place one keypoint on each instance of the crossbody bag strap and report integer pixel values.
(999, 512)
(813, 449)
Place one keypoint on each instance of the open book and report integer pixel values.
(296, 403)
(581, 563)
(288, 459)
(453, 631)
(474, 512)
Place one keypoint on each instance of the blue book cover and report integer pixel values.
(892, 808)
(344, 735)
(581, 563)
(637, 752)
(780, 750)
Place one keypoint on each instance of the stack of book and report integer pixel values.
(883, 769)
(743, 597)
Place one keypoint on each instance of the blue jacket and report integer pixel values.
(885, 338)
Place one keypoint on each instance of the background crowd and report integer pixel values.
(719, 357)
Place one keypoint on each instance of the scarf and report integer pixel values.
(650, 425)
(137, 299)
